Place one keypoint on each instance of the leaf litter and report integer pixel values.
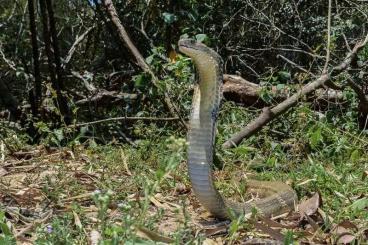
(24, 197)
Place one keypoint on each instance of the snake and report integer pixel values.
(278, 196)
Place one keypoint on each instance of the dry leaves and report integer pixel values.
(154, 236)
(22, 184)
(310, 206)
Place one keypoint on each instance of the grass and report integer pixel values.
(142, 194)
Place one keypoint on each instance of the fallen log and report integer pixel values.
(268, 114)
(241, 91)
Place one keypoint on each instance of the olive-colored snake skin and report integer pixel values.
(206, 101)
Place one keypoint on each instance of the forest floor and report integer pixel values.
(141, 194)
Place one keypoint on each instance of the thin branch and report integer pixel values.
(328, 53)
(358, 90)
(89, 86)
(73, 48)
(286, 50)
(35, 55)
(124, 37)
(296, 65)
(149, 119)
(8, 62)
(346, 42)
(269, 114)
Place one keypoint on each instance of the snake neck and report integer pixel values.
(201, 136)
(202, 132)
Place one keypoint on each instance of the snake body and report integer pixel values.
(201, 136)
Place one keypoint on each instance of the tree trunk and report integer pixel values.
(9, 101)
(48, 22)
(36, 91)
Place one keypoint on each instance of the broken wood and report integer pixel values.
(241, 91)
(104, 97)
(268, 114)
(73, 48)
(149, 119)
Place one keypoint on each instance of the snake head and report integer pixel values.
(195, 49)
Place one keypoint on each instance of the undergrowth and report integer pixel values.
(313, 152)
(118, 191)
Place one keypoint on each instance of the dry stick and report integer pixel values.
(329, 83)
(358, 90)
(124, 37)
(269, 114)
(89, 86)
(328, 53)
(73, 48)
(127, 119)
(239, 90)
(295, 64)
(32, 225)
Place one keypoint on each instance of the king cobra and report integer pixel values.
(202, 129)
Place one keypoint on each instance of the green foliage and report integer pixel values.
(50, 136)
(169, 18)
(6, 235)
(313, 148)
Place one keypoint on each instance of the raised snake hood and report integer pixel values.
(195, 49)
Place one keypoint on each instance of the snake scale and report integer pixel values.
(201, 136)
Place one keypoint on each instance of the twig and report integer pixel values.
(89, 86)
(329, 83)
(102, 96)
(296, 65)
(286, 50)
(346, 42)
(269, 114)
(72, 49)
(358, 90)
(8, 62)
(328, 53)
(33, 225)
(126, 119)
(124, 37)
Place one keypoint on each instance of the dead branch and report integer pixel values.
(89, 86)
(296, 65)
(363, 103)
(240, 90)
(149, 119)
(124, 37)
(328, 51)
(328, 84)
(7, 61)
(104, 97)
(269, 114)
(358, 90)
(73, 48)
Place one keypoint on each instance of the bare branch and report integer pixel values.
(150, 119)
(124, 37)
(296, 65)
(328, 52)
(239, 90)
(269, 114)
(358, 90)
(72, 49)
